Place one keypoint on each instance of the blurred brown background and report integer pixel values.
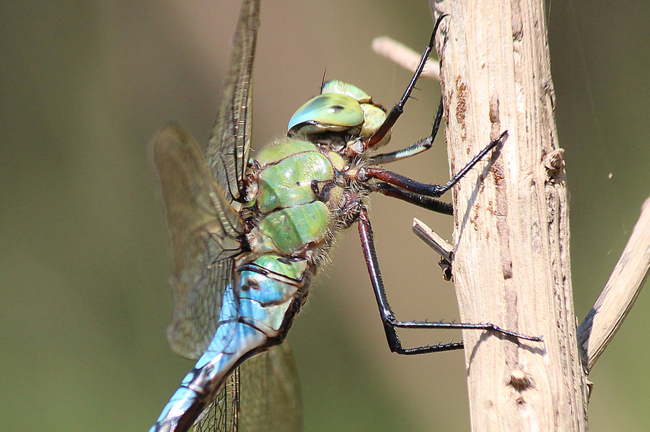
(83, 249)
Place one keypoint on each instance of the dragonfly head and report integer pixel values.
(343, 110)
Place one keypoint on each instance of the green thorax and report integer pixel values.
(292, 201)
(297, 189)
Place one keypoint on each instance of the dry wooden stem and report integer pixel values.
(511, 261)
(522, 394)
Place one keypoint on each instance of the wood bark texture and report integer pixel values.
(511, 264)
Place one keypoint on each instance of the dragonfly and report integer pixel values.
(249, 234)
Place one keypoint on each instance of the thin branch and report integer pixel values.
(404, 56)
(622, 289)
(432, 239)
(438, 244)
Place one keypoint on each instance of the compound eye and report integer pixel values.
(328, 112)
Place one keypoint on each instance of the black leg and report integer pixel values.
(398, 109)
(414, 149)
(387, 315)
(412, 198)
(429, 190)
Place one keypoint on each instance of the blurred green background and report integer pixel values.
(83, 249)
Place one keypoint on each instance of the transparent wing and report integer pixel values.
(230, 141)
(223, 414)
(270, 392)
(262, 395)
(205, 236)
(205, 233)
